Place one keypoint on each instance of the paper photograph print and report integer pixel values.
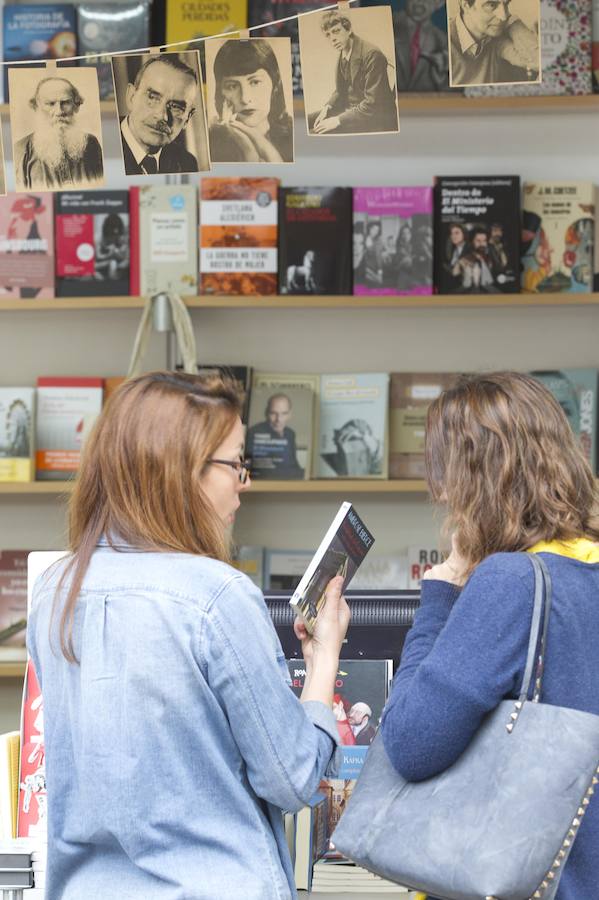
(348, 70)
(493, 42)
(162, 117)
(250, 100)
(2, 168)
(56, 128)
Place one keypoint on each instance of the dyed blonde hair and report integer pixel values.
(503, 460)
(139, 479)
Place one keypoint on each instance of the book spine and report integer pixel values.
(135, 266)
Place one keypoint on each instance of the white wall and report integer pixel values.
(99, 342)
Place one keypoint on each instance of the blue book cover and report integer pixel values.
(38, 31)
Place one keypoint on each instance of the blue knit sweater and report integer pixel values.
(466, 652)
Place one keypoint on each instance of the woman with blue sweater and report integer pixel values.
(504, 463)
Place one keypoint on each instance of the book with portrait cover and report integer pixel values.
(238, 236)
(410, 394)
(110, 26)
(565, 53)
(164, 256)
(37, 31)
(66, 411)
(393, 240)
(576, 392)
(92, 243)
(315, 228)
(240, 375)
(262, 11)
(13, 597)
(352, 426)
(279, 438)
(26, 245)
(341, 551)
(477, 234)
(361, 691)
(17, 413)
(558, 222)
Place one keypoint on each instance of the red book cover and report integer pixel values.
(238, 236)
(31, 816)
(26, 246)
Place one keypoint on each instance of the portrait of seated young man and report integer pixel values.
(489, 44)
(160, 103)
(363, 95)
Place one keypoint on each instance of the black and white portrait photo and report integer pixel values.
(161, 111)
(56, 128)
(493, 42)
(250, 100)
(348, 69)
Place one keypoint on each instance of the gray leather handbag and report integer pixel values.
(500, 822)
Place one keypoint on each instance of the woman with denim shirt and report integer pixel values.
(173, 741)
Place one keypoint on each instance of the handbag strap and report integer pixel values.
(541, 611)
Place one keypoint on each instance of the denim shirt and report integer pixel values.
(174, 745)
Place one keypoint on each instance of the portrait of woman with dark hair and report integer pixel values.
(249, 95)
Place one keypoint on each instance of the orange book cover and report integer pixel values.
(238, 236)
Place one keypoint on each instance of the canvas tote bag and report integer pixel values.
(498, 823)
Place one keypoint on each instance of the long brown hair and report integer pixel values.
(503, 460)
(139, 479)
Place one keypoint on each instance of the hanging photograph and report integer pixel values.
(2, 168)
(160, 103)
(56, 128)
(348, 69)
(250, 100)
(494, 42)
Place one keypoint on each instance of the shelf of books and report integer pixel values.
(332, 486)
(433, 301)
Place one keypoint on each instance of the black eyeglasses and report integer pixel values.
(242, 466)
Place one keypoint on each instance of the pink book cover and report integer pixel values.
(31, 819)
(393, 241)
(27, 246)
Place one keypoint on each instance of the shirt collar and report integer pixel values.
(136, 149)
(468, 44)
(345, 56)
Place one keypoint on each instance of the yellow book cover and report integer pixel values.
(189, 19)
(9, 784)
(14, 750)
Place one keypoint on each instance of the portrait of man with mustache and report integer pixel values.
(161, 100)
(57, 153)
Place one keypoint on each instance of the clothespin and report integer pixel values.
(154, 51)
(244, 34)
(51, 64)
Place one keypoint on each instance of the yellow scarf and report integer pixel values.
(581, 549)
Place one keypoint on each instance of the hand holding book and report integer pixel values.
(330, 628)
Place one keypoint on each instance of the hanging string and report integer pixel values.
(158, 47)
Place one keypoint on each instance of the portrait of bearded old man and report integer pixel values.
(57, 153)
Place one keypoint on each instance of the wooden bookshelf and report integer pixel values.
(332, 486)
(435, 301)
(12, 669)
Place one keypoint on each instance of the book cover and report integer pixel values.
(558, 220)
(241, 375)
(9, 793)
(33, 805)
(238, 236)
(477, 235)
(315, 227)
(393, 240)
(576, 392)
(92, 243)
(250, 561)
(66, 410)
(383, 572)
(17, 408)
(341, 551)
(163, 221)
(352, 426)
(421, 54)
(192, 19)
(283, 569)
(279, 436)
(103, 27)
(361, 691)
(565, 53)
(311, 838)
(13, 597)
(262, 11)
(420, 560)
(26, 246)
(37, 31)
(410, 395)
